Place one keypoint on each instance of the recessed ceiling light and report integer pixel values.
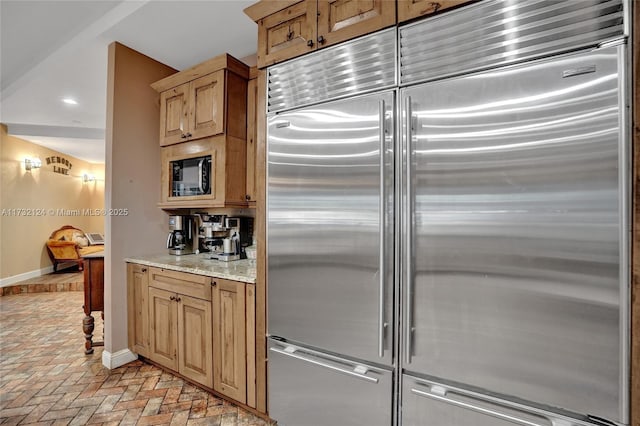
(70, 101)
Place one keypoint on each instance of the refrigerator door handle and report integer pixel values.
(477, 409)
(355, 374)
(381, 219)
(408, 232)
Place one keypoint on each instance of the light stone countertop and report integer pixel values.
(243, 270)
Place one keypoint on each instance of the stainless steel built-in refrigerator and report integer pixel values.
(331, 265)
(447, 241)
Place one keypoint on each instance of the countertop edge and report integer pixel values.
(192, 270)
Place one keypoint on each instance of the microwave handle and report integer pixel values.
(200, 166)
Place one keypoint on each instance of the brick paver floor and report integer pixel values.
(46, 379)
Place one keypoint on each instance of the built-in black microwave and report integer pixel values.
(190, 176)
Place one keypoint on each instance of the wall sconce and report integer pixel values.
(32, 163)
(88, 178)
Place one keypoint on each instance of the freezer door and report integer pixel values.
(427, 403)
(330, 224)
(515, 226)
(308, 388)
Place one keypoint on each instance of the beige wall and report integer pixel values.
(132, 176)
(57, 198)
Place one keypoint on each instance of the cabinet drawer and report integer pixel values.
(180, 282)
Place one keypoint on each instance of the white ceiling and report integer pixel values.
(52, 49)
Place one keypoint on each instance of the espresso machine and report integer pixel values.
(180, 240)
(224, 238)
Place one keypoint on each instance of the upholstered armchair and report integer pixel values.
(69, 244)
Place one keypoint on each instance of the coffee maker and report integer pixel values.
(181, 235)
(224, 238)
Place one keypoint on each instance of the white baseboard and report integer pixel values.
(117, 359)
(6, 282)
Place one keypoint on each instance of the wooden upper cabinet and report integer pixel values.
(286, 34)
(410, 9)
(174, 114)
(201, 101)
(203, 113)
(341, 20)
(252, 135)
(290, 29)
(206, 105)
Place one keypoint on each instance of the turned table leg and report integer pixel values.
(87, 327)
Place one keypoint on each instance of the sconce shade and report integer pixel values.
(32, 163)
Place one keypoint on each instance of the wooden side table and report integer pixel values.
(93, 296)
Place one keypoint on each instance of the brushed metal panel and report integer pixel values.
(314, 392)
(500, 32)
(429, 403)
(362, 65)
(324, 224)
(517, 230)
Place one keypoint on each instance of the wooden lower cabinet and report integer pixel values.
(203, 328)
(229, 339)
(138, 308)
(194, 339)
(163, 318)
(181, 334)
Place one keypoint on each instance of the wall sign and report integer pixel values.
(60, 164)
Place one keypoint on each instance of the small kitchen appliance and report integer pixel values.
(224, 238)
(181, 235)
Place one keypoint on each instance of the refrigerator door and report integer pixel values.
(515, 223)
(309, 388)
(427, 403)
(330, 226)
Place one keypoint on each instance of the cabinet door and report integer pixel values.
(174, 105)
(340, 20)
(206, 105)
(163, 317)
(251, 344)
(138, 308)
(194, 339)
(229, 361)
(286, 34)
(409, 9)
(252, 97)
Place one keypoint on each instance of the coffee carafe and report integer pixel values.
(181, 235)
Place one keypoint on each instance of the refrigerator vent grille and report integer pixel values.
(500, 32)
(360, 66)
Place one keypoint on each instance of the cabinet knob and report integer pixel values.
(213, 283)
(178, 299)
(144, 269)
(183, 136)
(189, 135)
(310, 43)
(247, 197)
(321, 40)
(172, 298)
